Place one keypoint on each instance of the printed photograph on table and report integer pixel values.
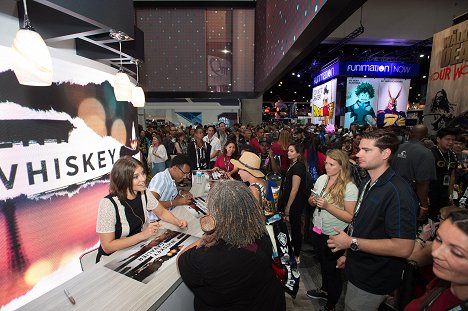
(144, 263)
(361, 101)
(198, 207)
(323, 103)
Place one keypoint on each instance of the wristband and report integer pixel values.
(421, 241)
(424, 209)
(171, 203)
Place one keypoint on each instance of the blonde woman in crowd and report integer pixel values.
(334, 196)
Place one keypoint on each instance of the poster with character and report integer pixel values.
(361, 101)
(323, 103)
(392, 102)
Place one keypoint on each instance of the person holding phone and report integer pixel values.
(122, 219)
(334, 196)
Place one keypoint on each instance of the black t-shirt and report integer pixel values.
(227, 278)
(388, 210)
(300, 170)
(445, 163)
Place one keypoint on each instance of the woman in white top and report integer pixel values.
(123, 215)
(335, 197)
(157, 156)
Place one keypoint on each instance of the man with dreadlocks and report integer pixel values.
(229, 268)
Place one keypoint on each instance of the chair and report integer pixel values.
(88, 259)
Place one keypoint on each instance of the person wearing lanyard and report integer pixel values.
(223, 161)
(383, 229)
(335, 196)
(199, 151)
(440, 190)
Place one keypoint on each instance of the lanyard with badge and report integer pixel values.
(318, 218)
(446, 180)
(365, 191)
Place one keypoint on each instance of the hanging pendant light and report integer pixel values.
(32, 63)
(122, 85)
(138, 96)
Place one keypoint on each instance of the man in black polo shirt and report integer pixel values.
(383, 229)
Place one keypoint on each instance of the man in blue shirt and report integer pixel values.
(164, 184)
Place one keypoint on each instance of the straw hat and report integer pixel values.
(249, 162)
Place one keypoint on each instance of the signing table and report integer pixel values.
(101, 288)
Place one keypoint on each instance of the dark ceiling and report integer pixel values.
(296, 84)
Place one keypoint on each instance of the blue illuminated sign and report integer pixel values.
(379, 69)
(326, 74)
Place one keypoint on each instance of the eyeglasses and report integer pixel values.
(185, 174)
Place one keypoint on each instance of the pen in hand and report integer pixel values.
(70, 297)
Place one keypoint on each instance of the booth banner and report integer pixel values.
(361, 101)
(323, 103)
(57, 147)
(144, 263)
(392, 102)
(448, 77)
(219, 71)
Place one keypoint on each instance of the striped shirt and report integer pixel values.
(163, 184)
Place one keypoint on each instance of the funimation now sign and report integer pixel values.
(326, 74)
(383, 69)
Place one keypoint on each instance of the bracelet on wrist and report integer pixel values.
(421, 241)
(425, 209)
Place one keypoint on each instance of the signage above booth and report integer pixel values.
(326, 74)
(375, 69)
(380, 69)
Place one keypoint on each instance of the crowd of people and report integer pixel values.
(369, 191)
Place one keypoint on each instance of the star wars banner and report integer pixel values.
(57, 147)
(448, 77)
(323, 103)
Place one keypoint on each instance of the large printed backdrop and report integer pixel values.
(324, 103)
(376, 101)
(448, 77)
(57, 147)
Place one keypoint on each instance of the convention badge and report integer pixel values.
(446, 180)
(318, 224)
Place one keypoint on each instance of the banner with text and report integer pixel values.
(323, 103)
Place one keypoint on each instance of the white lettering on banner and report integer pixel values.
(84, 156)
(369, 68)
(290, 283)
(401, 69)
(324, 75)
(284, 249)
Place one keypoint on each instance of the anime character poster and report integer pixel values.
(447, 97)
(323, 103)
(57, 147)
(392, 102)
(361, 101)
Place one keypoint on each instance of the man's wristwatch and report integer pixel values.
(354, 245)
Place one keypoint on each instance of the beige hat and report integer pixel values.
(249, 162)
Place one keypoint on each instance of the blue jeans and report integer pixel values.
(157, 167)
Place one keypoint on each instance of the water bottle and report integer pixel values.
(152, 217)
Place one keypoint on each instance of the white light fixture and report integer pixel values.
(122, 86)
(32, 63)
(138, 96)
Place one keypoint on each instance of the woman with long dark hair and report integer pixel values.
(122, 219)
(293, 194)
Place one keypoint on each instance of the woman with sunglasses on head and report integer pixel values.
(334, 196)
(122, 219)
(449, 291)
(229, 268)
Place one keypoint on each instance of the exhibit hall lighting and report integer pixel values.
(138, 96)
(32, 63)
(122, 85)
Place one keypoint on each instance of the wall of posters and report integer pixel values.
(57, 147)
(448, 77)
(378, 102)
(323, 103)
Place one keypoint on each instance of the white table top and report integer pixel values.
(100, 288)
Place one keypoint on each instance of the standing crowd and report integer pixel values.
(375, 198)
